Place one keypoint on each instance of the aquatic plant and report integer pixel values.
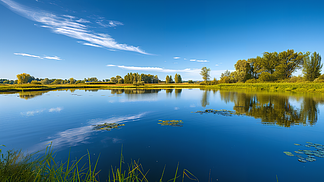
(107, 126)
(222, 112)
(177, 123)
(309, 155)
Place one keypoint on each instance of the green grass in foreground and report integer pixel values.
(15, 166)
(290, 87)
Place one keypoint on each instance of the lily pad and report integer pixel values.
(289, 153)
(302, 160)
(310, 159)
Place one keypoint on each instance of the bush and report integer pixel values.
(320, 79)
(190, 81)
(253, 80)
(265, 77)
(35, 82)
(295, 79)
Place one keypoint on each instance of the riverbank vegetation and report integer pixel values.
(272, 71)
(16, 166)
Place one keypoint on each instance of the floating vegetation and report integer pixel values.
(222, 112)
(107, 126)
(309, 155)
(177, 123)
(289, 153)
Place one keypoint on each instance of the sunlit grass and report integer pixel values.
(288, 87)
(15, 166)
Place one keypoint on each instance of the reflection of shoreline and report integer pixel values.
(76, 136)
(274, 108)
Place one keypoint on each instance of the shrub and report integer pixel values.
(36, 82)
(253, 80)
(265, 77)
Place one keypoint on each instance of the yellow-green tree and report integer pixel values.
(23, 78)
(205, 73)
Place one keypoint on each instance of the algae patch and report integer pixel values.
(107, 126)
(222, 112)
(177, 123)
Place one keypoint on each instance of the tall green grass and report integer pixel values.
(16, 167)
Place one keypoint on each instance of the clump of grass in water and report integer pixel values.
(15, 166)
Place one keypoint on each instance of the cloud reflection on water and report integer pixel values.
(79, 135)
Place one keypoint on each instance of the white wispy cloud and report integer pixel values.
(54, 57)
(176, 57)
(216, 65)
(32, 113)
(58, 109)
(81, 20)
(93, 45)
(202, 61)
(68, 25)
(157, 69)
(28, 55)
(199, 60)
(39, 57)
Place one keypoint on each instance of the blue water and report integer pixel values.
(225, 148)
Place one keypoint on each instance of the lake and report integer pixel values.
(218, 135)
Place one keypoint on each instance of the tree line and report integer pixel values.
(273, 66)
(129, 78)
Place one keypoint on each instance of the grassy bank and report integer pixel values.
(289, 87)
(15, 166)
(37, 87)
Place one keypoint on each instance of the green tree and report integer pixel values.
(120, 81)
(167, 79)
(72, 80)
(113, 79)
(243, 70)
(289, 61)
(46, 81)
(312, 67)
(177, 78)
(205, 73)
(23, 78)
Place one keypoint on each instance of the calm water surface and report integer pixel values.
(246, 146)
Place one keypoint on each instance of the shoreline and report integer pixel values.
(285, 87)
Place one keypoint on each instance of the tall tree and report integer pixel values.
(167, 79)
(289, 61)
(312, 66)
(243, 70)
(23, 78)
(72, 80)
(205, 73)
(177, 78)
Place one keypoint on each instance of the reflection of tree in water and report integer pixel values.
(204, 100)
(177, 92)
(273, 109)
(30, 95)
(168, 91)
(134, 91)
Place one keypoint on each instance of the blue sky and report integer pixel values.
(86, 38)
